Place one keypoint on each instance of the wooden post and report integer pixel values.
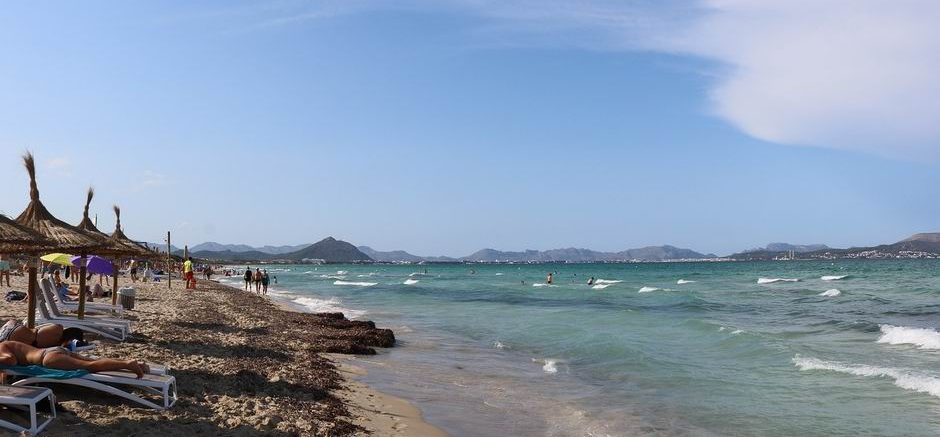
(169, 265)
(31, 298)
(81, 286)
(114, 271)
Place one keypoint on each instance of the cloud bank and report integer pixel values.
(858, 75)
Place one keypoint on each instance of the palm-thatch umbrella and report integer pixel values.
(119, 236)
(16, 238)
(64, 237)
(114, 247)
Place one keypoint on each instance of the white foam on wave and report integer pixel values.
(499, 274)
(341, 272)
(410, 281)
(832, 292)
(499, 345)
(549, 365)
(833, 277)
(775, 280)
(542, 284)
(601, 286)
(358, 284)
(648, 289)
(608, 281)
(684, 281)
(332, 305)
(923, 338)
(902, 378)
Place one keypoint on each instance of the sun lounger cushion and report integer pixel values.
(45, 372)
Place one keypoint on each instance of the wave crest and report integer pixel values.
(923, 338)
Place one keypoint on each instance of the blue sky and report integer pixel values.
(445, 127)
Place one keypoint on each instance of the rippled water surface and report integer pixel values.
(774, 348)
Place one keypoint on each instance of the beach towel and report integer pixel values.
(45, 372)
(14, 295)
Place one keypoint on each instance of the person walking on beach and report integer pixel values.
(264, 282)
(4, 271)
(188, 274)
(257, 280)
(133, 270)
(247, 278)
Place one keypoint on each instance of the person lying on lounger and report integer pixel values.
(14, 353)
(45, 335)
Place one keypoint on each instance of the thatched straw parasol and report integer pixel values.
(63, 236)
(119, 236)
(18, 239)
(113, 247)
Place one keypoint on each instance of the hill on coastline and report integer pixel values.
(650, 253)
(922, 245)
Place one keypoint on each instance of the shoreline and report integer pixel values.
(245, 365)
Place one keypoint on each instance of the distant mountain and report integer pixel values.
(238, 248)
(391, 256)
(917, 246)
(330, 250)
(228, 255)
(651, 253)
(786, 247)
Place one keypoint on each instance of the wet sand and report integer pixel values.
(244, 365)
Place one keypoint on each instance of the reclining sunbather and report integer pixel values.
(45, 335)
(14, 353)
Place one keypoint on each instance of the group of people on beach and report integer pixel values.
(259, 278)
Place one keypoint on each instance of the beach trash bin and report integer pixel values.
(126, 296)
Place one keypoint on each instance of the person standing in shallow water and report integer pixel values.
(264, 282)
(549, 278)
(257, 280)
(247, 278)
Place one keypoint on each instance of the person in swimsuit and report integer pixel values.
(257, 280)
(45, 335)
(264, 282)
(14, 353)
(247, 278)
(549, 279)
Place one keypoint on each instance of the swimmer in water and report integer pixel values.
(591, 281)
(548, 280)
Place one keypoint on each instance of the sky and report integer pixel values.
(443, 127)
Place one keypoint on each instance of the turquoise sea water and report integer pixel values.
(725, 353)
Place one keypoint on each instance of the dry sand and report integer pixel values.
(244, 366)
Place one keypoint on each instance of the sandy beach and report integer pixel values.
(244, 365)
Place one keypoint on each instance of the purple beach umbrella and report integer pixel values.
(95, 264)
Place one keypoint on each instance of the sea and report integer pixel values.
(784, 348)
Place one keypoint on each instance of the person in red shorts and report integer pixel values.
(188, 274)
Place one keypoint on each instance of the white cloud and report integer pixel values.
(847, 74)
(857, 75)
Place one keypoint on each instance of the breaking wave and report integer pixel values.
(358, 284)
(683, 281)
(831, 293)
(332, 305)
(923, 338)
(902, 378)
(648, 289)
(775, 280)
(607, 281)
(833, 277)
(410, 281)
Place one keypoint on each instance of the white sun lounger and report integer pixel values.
(116, 383)
(114, 332)
(100, 311)
(27, 398)
(47, 300)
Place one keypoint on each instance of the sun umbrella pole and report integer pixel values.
(31, 297)
(81, 286)
(114, 268)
